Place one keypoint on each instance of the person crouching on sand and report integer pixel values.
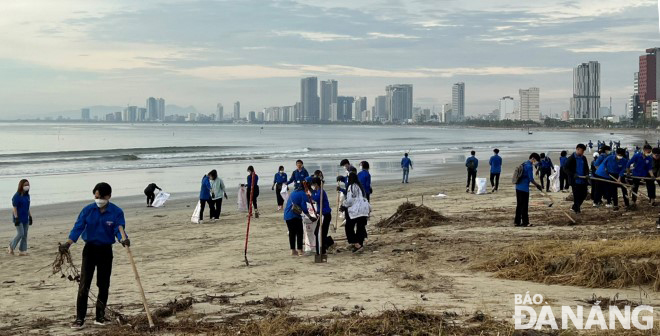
(357, 209)
(295, 207)
(22, 218)
(150, 192)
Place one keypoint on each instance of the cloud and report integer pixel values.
(317, 36)
(392, 36)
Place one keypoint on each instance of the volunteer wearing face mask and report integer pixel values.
(22, 218)
(299, 175)
(327, 216)
(295, 207)
(642, 166)
(599, 189)
(255, 208)
(365, 179)
(279, 179)
(98, 223)
(613, 169)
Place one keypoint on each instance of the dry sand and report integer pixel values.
(432, 268)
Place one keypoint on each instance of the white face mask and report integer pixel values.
(101, 202)
(26, 188)
(360, 167)
(619, 157)
(313, 187)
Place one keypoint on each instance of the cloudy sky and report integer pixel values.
(67, 54)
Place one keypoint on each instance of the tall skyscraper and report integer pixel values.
(359, 107)
(161, 109)
(530, 104)
(237, 110)
(345, 108)
(252, 116)
(220, 111)
(152, 109)
(506, 108)
(142, 114)
(85, 114)
(458, 102)
(309, 98)
(380, 108)
(585, 103)
(130, 114)
(649, 74)
(399, 102)
(297, 112)
(328, 97)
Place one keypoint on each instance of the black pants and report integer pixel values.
(327, 219)
(650, 188)
(356, 230)
(280, 200)
(599, 189)
(254, 200)
(150, 198)
(579, 195)
(613, 193)
(495, 180)
(203, 206)
(563, 180)
(216, 208)
(295, 227)
(545, 176)
(471, 178)
(522, 208)
(97, 257)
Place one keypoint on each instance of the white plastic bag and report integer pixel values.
(309, 239)
(481, 186)
(160, 199)
(554, 180)
(195, 215)
(284, 192)
(242, 199)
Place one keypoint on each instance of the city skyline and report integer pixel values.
(201, 52)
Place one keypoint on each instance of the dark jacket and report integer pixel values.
(571, 166)
(151, 188)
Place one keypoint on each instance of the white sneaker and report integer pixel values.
(609, 205)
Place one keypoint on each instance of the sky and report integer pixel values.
(67, 54)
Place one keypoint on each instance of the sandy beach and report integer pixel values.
(436, 268)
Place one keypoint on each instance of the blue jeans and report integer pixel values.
(21, 236)
(406, 172)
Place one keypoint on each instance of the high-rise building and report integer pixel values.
(344, 108)
(359, 107)
(297, 112)
(399, 102)
(220, 112)
(328, 97)
(380, 108)
(530, 104)
(309, 99)
(161, 109)
(130, 114)
(585, 103)
(458, 102)
(237, 110)
(445, 114)
(648, 78)
(142, 114)
(252, 116)
(152, 109)
(506, 107)
(85, 114)
(288, 113)
(117, 116)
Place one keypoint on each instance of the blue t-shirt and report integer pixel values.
(205, 191)
(472, 161)
(98, 228)
(298, 176)
(495, 164)
(526, 178)
(406, 163)
(280, 178)
(22, 205)
(299, 198)
(562, 161)
(249, 181)
(316, 196)
(365, 180)
(580, 169)
(642, 164)
(612, 166)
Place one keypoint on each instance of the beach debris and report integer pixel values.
(440, 195)
(606, 302)
(409, 215)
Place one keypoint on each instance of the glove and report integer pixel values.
(338, 188)
(272, 188)
(342, 208)
(539, 188)
(17, 221)
(30, 220)
(340, 179)
(64, 247)
(126, 243)
(313, 218)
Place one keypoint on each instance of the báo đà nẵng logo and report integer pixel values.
(533, 312)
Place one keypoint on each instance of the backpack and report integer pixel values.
(470, 165)
(518, 173)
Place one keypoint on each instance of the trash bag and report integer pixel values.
(195, 215)
(160, 199)
(242, 199)
(309, 239)
(284, 192)
(481, 186)
(554, 180)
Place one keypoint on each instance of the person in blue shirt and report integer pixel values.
(591, 146)
(406, 166)
(472, 163)
(599, 189)
(563, 179)
(546, 167)
(613, 168)
(365, 179)
(295, 207)
(577, 171)
(278, 181)
(248, 190)
(642, 167)
(522, 191)
(299, 175)
(22, 218)
(326, 211)
(205, 198)
(495, 163)
(98, 224)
